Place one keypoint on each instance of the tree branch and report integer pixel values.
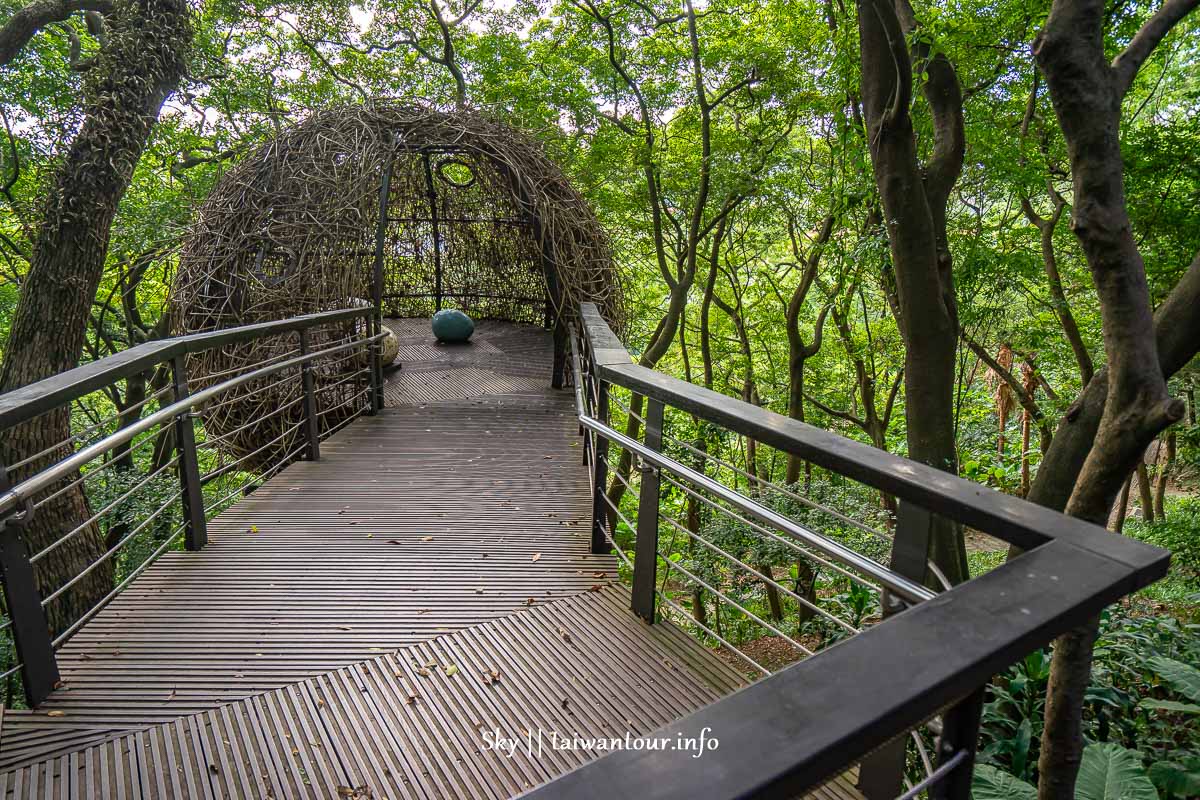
(1126, 65)
(26, 23)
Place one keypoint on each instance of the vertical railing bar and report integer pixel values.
(191, 495)
(600, 542)
(645, 562)
(956, 747)
(311, 427)
(30, 627)
(881, 774)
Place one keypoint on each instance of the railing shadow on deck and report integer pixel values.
(141, 477)
(905, 678)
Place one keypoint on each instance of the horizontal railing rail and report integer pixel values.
(912, 670)
(36, 398)
(130, 484)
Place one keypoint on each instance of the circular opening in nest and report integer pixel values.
(456, 173)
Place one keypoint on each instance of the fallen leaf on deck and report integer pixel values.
(451, 671)
(536, 556)
(56, 713)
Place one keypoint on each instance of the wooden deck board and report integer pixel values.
(305, 651)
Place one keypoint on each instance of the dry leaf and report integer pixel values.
(426, 538)
(56, 713)
(536, 556)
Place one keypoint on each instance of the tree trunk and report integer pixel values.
(1165, 462)
(1122, 506)
(141, 63)
(914, 198)
(1087, 93)
(1145, 498)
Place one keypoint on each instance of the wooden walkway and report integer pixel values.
(355, 625)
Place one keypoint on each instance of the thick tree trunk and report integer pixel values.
(1087, 93)
(142, 62)
(914, 199)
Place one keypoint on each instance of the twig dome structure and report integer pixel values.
(389, 203)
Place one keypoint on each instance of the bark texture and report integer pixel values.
(1132, 406)
(914, 198)
(142, 62)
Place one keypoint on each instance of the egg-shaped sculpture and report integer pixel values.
(452, 325)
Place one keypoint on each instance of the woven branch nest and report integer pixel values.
(292, 230)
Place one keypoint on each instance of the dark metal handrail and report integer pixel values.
(902, 586)
(34, 646)
(813, 720)
(37, 398)
(22, 492)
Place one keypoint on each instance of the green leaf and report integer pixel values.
(1178, 779)
(1171, 705)
(1110, 772)
(1183, 678)
(990, 783)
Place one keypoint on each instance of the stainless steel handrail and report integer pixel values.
(23, 492)
(907, 589)
(898, 584)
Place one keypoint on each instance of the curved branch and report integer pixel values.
(29, 21)
(1126, 65)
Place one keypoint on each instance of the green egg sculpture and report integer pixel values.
(452, 325)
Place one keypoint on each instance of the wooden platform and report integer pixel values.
(355, 625)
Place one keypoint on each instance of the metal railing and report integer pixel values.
(84, 516)
(900, 696)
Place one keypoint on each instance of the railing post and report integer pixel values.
(960, 733)
(600, 472)
(196, 526)
(312, 429)
(881, 774)
(645, 561)
(374, 328)
(31, 631)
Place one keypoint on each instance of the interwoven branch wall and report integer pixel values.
(292, 230)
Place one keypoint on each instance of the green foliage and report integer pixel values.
(1141, 706)
(1177, 533)
(990, 783)
(1110, 772)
